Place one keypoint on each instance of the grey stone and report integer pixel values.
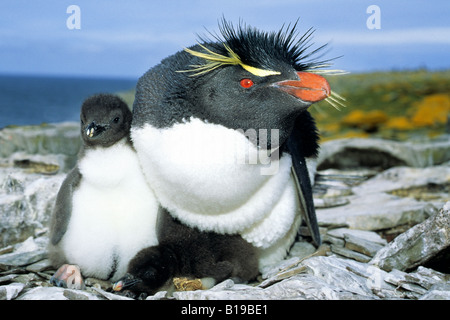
(439, 291)
(333, 240)
(61, 138)
(397, 196)
(158, 296)
(108, 295)
(39, 266)
(418, 244)
(398, 181)
(10, 291)
(353, 153)
(26, 203)
(376, 211)
(7, 249)
(21, 259)
(56, 293)
(361, 234)
(360, 245)
(8, 278)
(301, 250)
(350, 254)
(427, 277)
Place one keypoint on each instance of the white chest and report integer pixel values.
(114, 212)
(203, 175)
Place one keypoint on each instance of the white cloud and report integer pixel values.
(438, 35)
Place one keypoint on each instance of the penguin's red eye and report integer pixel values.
(246, 83)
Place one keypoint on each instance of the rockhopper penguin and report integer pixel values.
(222, 133)
(105, 212)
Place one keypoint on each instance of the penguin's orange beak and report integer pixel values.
(310, 87)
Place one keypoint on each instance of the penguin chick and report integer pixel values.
(193, 119)
(188, 252)
(105, 211)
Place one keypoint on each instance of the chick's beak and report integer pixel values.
(94, 129)
(310, 87)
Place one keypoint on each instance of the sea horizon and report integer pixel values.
(33, 99)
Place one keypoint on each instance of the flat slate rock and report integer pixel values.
(418, 244)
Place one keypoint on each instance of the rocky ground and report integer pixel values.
(383, 208)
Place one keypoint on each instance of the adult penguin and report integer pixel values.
(222, 132)
(105, 212)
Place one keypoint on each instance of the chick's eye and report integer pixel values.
(116, 119)
(246, 83)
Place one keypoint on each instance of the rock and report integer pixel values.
(7, 249)
(384, 154)
(26, 253)
(11, 291)
(418, 284)
(301, 250)
(376, 212)
(39, 266)
(361, 234)
(426, 277)
(437, 292)
(108, 295)
(315, 276)
(376, 204)
(7, 278)
(417, 245)
(21, 259)
(395, 180)
(350, 254)
(26, 203)
(328, 278)
(57, 139)
(361, 245)
(55, 293)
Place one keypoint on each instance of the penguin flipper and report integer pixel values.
(63, 206)
(304, 189)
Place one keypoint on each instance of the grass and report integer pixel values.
(393, 105)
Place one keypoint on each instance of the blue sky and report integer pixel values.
(126, 38)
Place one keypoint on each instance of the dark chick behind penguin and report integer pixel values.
(188, 252)
(105, 212)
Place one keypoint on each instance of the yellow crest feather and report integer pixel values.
(216, 60)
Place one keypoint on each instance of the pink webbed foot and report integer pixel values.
(68, 276)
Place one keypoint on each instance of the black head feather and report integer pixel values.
(266, 50)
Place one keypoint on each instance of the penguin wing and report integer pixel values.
(300, 146)
(63, 206)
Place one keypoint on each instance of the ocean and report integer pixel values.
(31, 100)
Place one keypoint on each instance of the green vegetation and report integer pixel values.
(128, 97)
(391, 105)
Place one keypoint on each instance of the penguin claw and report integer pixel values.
(68, 276)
